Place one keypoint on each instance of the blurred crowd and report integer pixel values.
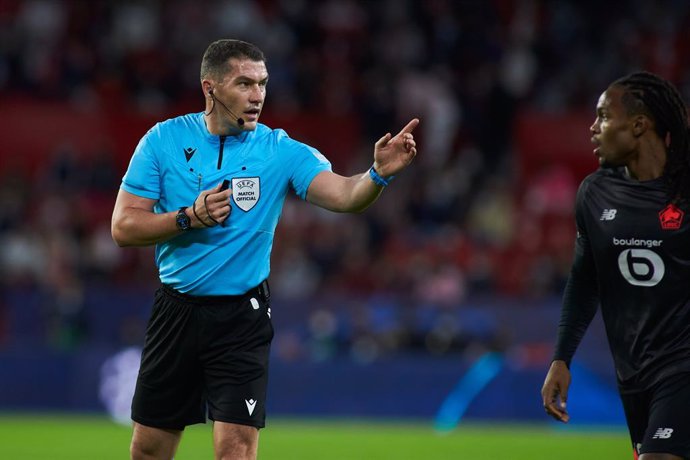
(463, 223)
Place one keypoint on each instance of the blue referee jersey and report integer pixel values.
(179, 158)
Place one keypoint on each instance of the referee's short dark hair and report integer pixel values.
(216, 57)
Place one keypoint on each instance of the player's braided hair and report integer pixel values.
(657, 98)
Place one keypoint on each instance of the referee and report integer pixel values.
(207, 189)
(632, 256)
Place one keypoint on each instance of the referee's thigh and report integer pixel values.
(235, 353)
(169, 390)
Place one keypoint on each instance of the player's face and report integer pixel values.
(243, 90)
(612, 130)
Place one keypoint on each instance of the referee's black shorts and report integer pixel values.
(659, 418)
(205, 353)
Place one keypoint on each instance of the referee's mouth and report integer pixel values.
(251, 114)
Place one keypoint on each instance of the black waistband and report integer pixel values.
(262, 290)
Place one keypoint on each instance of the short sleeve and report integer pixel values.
(303, 162)
(143, 174)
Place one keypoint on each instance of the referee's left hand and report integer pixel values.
(211, 207)
(393, 153)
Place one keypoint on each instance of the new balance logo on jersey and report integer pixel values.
(251, 404)
(189, 152)
(608, 214)
(663, 433)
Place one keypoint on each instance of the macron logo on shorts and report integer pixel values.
(251, 404)
(663, 433)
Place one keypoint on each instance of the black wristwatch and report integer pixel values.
(182, 220)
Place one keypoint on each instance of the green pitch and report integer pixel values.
(68, 437)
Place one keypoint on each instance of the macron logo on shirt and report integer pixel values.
(189, 153)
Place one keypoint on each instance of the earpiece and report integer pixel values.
(240, 120)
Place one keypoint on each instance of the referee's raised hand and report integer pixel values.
(393, 153)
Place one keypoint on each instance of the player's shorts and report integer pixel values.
(659, 418)
(205, 355)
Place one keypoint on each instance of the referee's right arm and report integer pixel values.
(134, 222)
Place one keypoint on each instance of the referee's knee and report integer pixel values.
(153, 443)
(139, 450)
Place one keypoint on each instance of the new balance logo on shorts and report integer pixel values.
(663, 433)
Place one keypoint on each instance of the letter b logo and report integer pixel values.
(641, 267)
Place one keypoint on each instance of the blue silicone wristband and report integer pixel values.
(378, 180)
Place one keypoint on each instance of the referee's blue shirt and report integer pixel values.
(179, 158)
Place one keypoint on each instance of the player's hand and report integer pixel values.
(393, 153)
(554, 393)
(211, 207)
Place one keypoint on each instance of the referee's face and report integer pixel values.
(612, 131)
(243, 91)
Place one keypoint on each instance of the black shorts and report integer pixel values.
(658, 419)
(205, 354)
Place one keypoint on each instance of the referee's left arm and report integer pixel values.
(343, 194)
(356, 193)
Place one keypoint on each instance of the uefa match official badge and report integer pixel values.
(246, 192)
(671, 217)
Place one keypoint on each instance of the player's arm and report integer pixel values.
(580, 302)
(354, 194)
(134, 222)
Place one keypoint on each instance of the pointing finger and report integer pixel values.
(410, 126)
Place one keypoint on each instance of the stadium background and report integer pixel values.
(440, 302)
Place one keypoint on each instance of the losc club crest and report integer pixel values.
(246, 192)
(671, 217)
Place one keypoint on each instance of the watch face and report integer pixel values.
(182, 220)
